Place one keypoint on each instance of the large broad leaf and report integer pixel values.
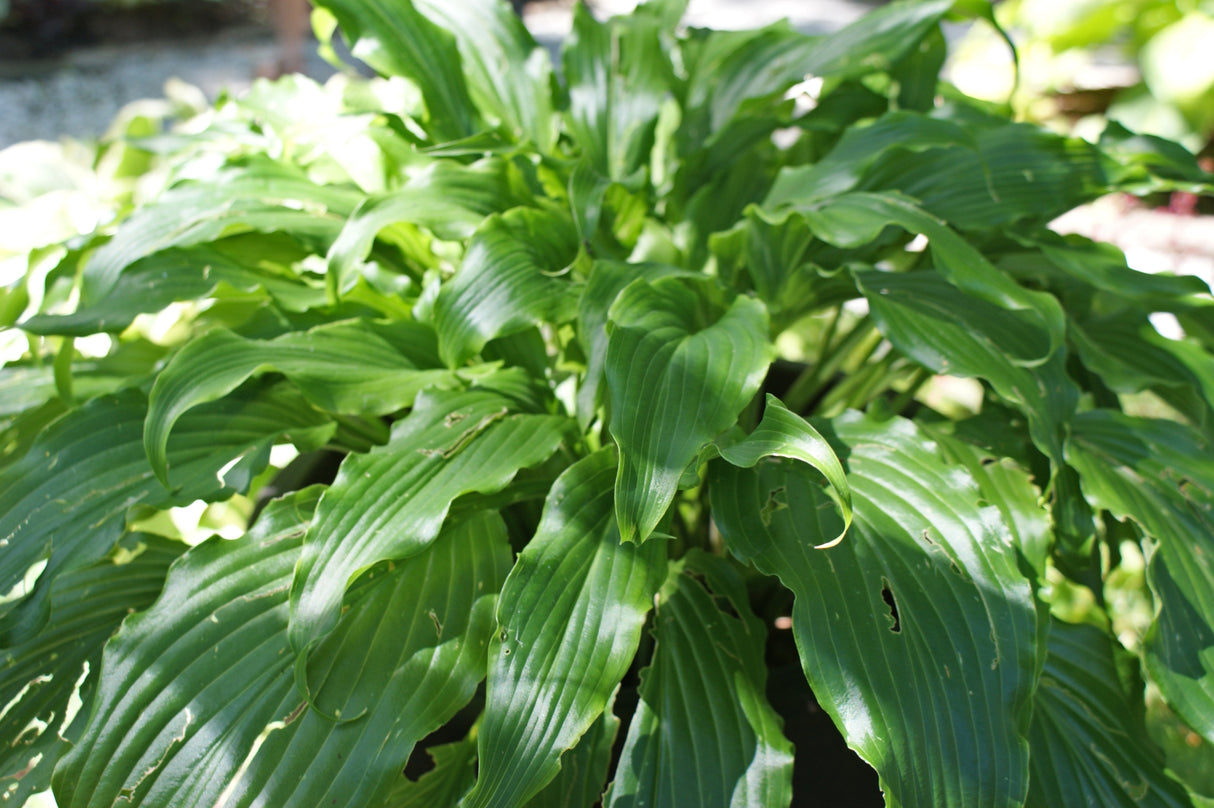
(152, 283)
(972, 176)
(264, 197)
(395, 361)
(919, 633)
(66, 501)
(39, 677)
(570, 618)
(584, 768)
(396, 39)
(390, 503)
(1160, 474)
(509, 280)
(405, 657)
(703, 732)
(1089, 746)
(508, 74)
(619, 73)
(681, 364)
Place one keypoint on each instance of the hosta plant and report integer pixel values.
(497, 432)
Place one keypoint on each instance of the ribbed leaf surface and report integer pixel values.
(66, 501)
(703, 733)
(394, 361)
(918, 633)
(507, 282)
(1089, 746)
(1160, 474)
(681, 365)
(570, 618)
(396, 39)
(212, 660)
(38, 677)
(390, 503)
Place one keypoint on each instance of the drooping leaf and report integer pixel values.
(682, 362)
(1087, 747)
(1159, 473)
(394, 362)
(66, 501)
(414, 639)
(918, 634)
(570, 618)
(782, 433)
(507, 282)
(703, 732)
(39, 677)
(390, 503)
(396, 39)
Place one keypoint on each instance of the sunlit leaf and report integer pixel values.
(682, 362)
(918, 633)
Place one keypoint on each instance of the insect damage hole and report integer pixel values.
(887, 594)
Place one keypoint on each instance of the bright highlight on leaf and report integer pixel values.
(659, 416)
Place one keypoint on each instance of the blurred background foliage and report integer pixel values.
(1148, 64)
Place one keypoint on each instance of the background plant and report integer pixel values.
(544, 346)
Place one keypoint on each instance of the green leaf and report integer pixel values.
(395, 361)
(152, 283)
(681, 364)
(703, 732)
(66, 501)
(264, 197)
(619, 74)
(607, 279)
(447, 198)
(1159, 474)
(406, 657)
(782, 433)
(390, 503)
(453, 774)
(584, 768)
(918, 634)
(508, 74)
(39, 677)
(396, 39)
(509, 280)
(877, 40)
(570, 618)
(1087, 747)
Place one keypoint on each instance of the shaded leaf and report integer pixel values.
(1159, 474)
(570, 618)
(39, 677)
(681, 364)
(918, 634)
(66, 501)
(703, 732)
(1087, 749)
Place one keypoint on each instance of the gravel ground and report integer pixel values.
(77, 96)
